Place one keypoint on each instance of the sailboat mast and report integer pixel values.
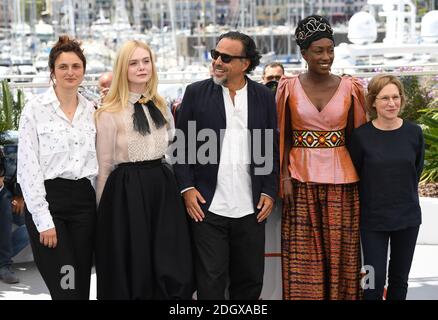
(171, 4)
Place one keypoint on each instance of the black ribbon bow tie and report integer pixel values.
(140, 120)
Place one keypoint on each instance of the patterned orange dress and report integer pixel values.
(320, 230)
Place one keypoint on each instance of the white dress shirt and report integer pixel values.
(233, 194)
(50, 146)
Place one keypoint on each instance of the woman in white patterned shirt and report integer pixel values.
(143, 248)
(57, 166)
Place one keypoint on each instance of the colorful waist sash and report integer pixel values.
(318, 139)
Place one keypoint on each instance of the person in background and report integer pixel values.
(317, 111)
(56, 169)
(143, 243)
(229, 198)
(11, 212)
(388, 153)
(272, 72)
(104, 84)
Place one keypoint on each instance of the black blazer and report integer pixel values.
(203, 102)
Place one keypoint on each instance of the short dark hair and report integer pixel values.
(273, 65)
(65, 44)
(249, 48)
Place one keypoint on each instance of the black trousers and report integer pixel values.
(229, 249)
(375, 251)
(66, 269)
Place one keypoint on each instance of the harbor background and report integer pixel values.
(395, 36)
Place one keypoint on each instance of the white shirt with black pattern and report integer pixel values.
(50, 146)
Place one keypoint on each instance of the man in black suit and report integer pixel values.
(227, 170)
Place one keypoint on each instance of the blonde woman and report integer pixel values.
(143, 248)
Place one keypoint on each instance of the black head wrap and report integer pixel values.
(312, 29)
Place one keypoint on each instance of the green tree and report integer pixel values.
(416, 98)
(10, 109)
(7, 106)
(429, 123)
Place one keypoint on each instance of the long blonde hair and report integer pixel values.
(118, 95)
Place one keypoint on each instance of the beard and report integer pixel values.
(220, 81)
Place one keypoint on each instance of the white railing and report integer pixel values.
(185, 78)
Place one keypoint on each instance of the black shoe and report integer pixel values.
(8, 276)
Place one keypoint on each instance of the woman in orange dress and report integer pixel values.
(320, 223)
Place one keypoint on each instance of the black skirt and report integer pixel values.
(143, 241)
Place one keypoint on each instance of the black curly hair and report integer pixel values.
(249, 48)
